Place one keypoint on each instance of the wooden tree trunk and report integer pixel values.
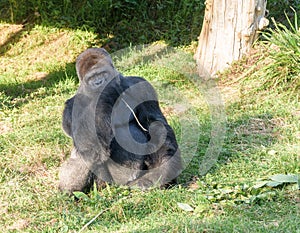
(229, 29)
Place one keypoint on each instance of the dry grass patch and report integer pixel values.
(260, 126)
(9, 32)
(5, 127)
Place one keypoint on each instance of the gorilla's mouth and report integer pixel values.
(99, 82)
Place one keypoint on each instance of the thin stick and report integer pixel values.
(90, 222)
(137, 120)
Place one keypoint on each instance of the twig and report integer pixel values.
(137, 120)
(90, 222)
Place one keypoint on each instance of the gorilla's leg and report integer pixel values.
(78, 174)
(165, 172)
(164, 165)
(75, 175)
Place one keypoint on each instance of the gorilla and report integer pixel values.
(118, 131)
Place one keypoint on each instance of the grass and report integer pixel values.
(37, 75)
(281, 70)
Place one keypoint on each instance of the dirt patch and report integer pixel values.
(240, 69)
(230, 94)
(8, 31)
(259, 126)
(177, 109)
(19, 224)
(38, 76)
(230, 79)
(5, 128)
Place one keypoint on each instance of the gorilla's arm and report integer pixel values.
(67, 117)
(164, 165)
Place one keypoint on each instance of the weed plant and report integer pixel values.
(280, 69)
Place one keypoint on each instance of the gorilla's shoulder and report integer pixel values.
(131, 80)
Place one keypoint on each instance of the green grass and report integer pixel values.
(37, 75)
(280, 70)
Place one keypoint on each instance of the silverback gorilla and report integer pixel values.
(118, 130)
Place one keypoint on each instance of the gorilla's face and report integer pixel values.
(95, 70)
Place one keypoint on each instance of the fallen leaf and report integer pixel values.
(260, 184)
(272, 152)
(185, 207)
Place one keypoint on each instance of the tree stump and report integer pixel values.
(229, 29)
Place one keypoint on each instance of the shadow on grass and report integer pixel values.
(14, 37)
(20, 93)
(118, 24)
(244, 136)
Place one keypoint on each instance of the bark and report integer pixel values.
(229, 29)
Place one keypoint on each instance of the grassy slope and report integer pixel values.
(37, 75)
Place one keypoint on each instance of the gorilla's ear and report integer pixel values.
(89, 58)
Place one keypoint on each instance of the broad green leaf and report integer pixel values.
(274, 183)
(226, 191)
(284, 178)
(202, 208)
(266, 195)
(81, 195)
